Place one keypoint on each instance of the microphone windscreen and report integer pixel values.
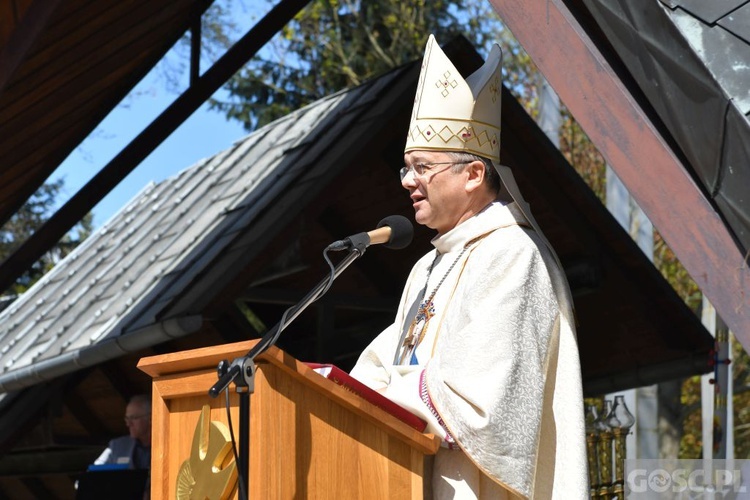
(402, 231)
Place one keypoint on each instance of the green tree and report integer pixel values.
(335, 44)
(583, 156)
(219, 30)
(689, 420)
(29, 218)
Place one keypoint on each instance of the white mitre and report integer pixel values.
(454, 114)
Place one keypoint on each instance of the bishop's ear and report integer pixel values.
(475, 171)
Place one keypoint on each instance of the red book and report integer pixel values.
(340, 377)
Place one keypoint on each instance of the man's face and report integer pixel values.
(138, 421)
(438, 196)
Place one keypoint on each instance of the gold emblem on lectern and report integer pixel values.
(211, 471)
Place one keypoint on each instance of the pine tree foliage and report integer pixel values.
(335, 44)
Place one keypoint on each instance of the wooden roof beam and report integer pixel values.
(149, 139)
(27, 25)
(631, 142)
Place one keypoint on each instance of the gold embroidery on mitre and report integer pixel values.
(446, 83)
(211, 471)
(473, 139)
(454, 114)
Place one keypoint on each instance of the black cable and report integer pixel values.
(240, 475)
(323, 291)
(282, 325)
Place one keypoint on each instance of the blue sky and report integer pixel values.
(202, 135)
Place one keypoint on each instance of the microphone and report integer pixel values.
(395, 231)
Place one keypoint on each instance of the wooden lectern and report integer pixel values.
(309, 437)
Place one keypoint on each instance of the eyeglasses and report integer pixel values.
(422, 168)
(131, 418)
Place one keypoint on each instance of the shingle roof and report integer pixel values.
(106, 297)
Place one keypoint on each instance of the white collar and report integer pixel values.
(495, 215)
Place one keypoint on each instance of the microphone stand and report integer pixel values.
(241, 370)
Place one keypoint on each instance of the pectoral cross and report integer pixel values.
(417, 329)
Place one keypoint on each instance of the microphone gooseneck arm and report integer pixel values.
(272, 335)
(242, 370)
(394, 231)
(233, 371)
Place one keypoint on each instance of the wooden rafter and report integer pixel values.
(624, 132)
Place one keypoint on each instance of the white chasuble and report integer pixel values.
(497, 365)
